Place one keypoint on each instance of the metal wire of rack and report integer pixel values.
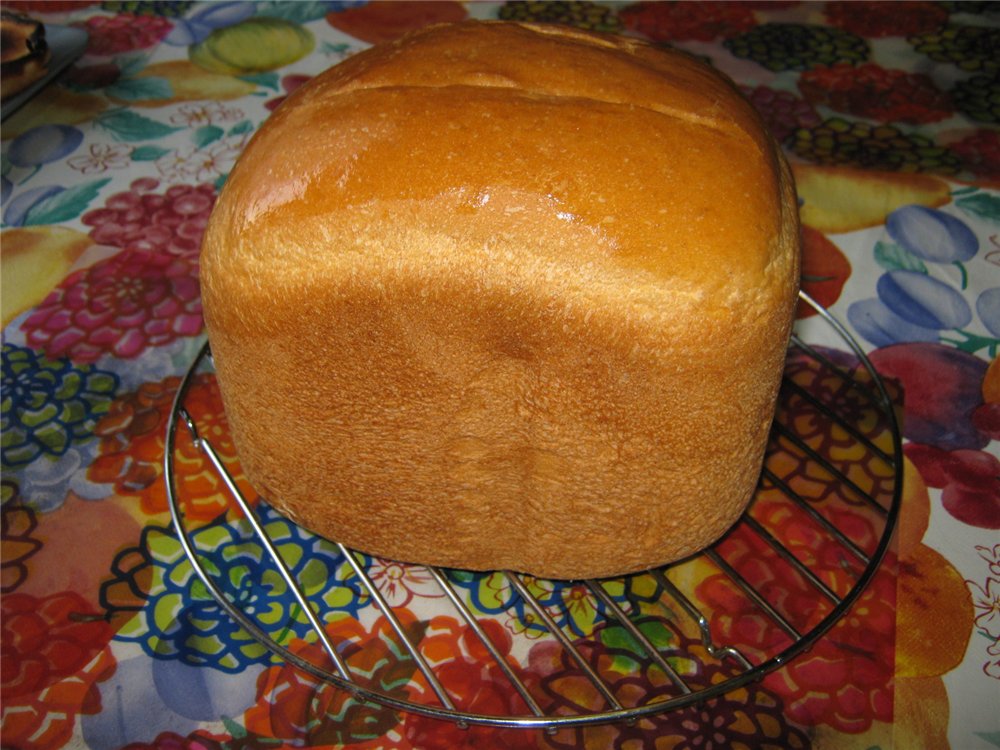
(678, 609)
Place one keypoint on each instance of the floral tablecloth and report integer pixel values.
(889, 112)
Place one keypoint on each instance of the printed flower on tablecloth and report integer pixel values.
(132, 442)
(877, 93)
(54, 650)
(48, 404)
(478, 685)
(845, 680)
(703, 22)
(298, 709)
(986, 600)
(120, 306)
(123, 32)
(201, 164)
(171, 222)
(101, 157)
(181, 619)
(992, 667)
(742, 718)
(198, 114)
(18, 546)
(571, 604)
(992, 558)
(879, 19)
(399, 583)
(862, 466)
(197, 741)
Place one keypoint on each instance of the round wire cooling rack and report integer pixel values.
(833, 466)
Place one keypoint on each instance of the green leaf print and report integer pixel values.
(207, 134)
(893, 257)
(149, 153)
(125, 125)
(64, 205)
(141, 89)
(982, 205)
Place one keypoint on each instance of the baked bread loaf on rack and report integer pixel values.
(506, 296)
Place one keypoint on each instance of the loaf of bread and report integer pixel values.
(506, 296)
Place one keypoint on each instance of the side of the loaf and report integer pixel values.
(499, 326)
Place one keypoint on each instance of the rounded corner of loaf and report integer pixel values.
(500, 271)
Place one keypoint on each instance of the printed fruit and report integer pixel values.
(584, 14)
(791, 46)
(665, 22)
(144, 221)
(384, 21)
(988, 309)
(923, 300)
(843, 199)
(825, 269)
(54, 105)
(941, 388)
(783, 111)
(877, 93)
(971, 48)
(862, 144)
(880, 326)
(255, 45)
(978, 97)
(912, 523)
(188, 82)
(931, 234)
(881, 19)
(35, 259)
(928, 583)
(43, 145)
(967, 478)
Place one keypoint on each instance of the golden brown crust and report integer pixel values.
(506, 296)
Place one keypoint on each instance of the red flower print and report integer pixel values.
(196, 741)
(478, 685)
(132, 444)
(53, 650)
(124, 32)
(845, 680)
(742, 718)
(296, 708)
(120, 306)
(19, 544)
(400, 582)
(873, 18)
(877, 93)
